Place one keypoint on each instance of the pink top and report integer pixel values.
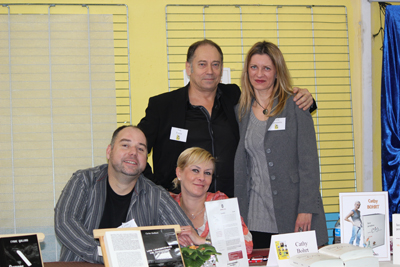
(204, 230)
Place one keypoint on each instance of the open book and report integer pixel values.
(337, 255)
(141, 247)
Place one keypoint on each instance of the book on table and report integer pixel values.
(315, 260)
(141, 247)
(337, 255)
(20, 251)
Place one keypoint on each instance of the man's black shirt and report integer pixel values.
(214, 134)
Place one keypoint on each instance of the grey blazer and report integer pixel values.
(293, 167)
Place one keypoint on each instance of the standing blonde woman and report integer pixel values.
(276, 162)
(355, 215)
(194, 175)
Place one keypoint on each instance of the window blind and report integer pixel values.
(64, 88)
(315, 43)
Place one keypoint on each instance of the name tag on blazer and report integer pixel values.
(178, 134)
(279, 124)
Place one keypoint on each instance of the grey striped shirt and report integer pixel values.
(81, 204)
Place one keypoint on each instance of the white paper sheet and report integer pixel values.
(226, 232)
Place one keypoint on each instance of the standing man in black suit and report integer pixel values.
(200, 114)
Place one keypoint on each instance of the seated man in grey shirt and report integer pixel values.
(108, 195)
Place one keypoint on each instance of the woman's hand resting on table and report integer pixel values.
(189, 236)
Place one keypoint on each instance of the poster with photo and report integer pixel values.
(364, 221)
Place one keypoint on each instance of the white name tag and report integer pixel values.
(279, 124)
(178, 134)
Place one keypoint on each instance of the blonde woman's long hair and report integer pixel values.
(282, 88)
(190, 156)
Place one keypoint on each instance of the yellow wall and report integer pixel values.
(149, 61)
(376, 91)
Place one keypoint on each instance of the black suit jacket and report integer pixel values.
(169, 110)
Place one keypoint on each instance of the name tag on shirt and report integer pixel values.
(178, 134)
(279, 124)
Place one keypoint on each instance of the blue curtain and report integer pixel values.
(390, 108)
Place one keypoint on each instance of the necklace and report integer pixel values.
(193, 216)
(265, 111)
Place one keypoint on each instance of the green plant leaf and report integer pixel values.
(197, 257)
(192, 263)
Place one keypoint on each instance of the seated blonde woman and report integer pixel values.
(194, 176)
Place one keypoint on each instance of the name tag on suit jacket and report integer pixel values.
(178, 134)
(279, 124)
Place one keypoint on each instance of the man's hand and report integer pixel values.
(303, 222)
(303, 98)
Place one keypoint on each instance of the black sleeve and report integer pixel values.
(313, 107)
(149, 125)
